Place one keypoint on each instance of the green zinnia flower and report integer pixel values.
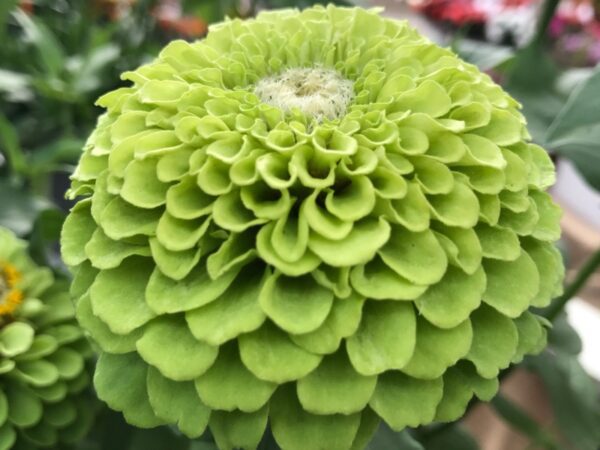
(43, 354)
(315, 219)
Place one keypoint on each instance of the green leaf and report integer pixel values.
(38, 373)
(511, 285)
(342, 321)
(495, 340)
(118, 295)
(235, 312)
(121, 220)
(369, 422)
(562, 337)
(141, 187)
(168, 345)
(366, 237)
(583, 150)
(8, 436)
(219, 387)
(459, 208)
(484, 55)
(296, 304)
(418, 257)
(156, 439)
(574, 132)
(238, 430)
(78, 229)
(24, 408)
(450, 438)
(101, 334)
(582, 109)
(419, 399)
(385, 339)
(48, 158)
(69, 363)
(573, 395)
(461, 382)
(126, 394)
(270, 355)
(165, 295)
(335, 387)
(438, 348)
(175, 265)
(296, 429)
(177, 403)
(19, 209)
(11, 147)
(5, 10)
(386, 438)
(379, 282)
(452, 300)
(50, 51)
(15, 86)
(16, 338)
(105, 253)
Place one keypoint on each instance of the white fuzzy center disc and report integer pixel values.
(316, 92)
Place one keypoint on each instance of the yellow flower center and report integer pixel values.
(10, 296)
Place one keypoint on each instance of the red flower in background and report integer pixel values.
(27, 6)
(170, 17)
(186, 26)
(459, 12)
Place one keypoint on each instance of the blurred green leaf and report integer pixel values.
(574, 397)
(161, 438)
(49, 50)
(18, 210)
(581, 110)
(10, 146)
(385, 438)
(198, 445)
(453, 437)
(562, 337)
(519, 419)
(15, 86)
(532, 69)
(6, 6)
(484, 55)
(575, 132)
(63, 151)
(540, 109)
(583, 150)
(88, 70)
(44, 238)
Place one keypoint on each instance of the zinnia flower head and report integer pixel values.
(316, 220)
(43, 354)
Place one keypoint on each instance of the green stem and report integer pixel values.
(548, 11)
(582, 276)
(519, 419)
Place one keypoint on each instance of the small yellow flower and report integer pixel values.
(10, 298)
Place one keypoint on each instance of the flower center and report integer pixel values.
(318, 93)
(10, 297)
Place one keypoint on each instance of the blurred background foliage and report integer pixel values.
(58, 56)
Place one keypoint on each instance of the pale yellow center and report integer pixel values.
(316, 92)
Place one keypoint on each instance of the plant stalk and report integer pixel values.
(580, 280)
(548, 10)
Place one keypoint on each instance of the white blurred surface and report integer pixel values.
(573, 192)
(585, 318)
(400, 10)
